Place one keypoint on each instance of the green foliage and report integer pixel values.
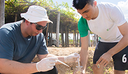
(63, 8)
(68, 16)
(13, 6)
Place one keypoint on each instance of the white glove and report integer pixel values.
(71, 58)
(46, 64)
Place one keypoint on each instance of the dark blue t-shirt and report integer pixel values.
(14, 46)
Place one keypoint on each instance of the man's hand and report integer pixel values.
(46, 64)
(104, 60)
(71, 58)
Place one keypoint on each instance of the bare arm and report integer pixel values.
(123, 42)
(84, 52)
(13, 67)
(106, 57)
(61, 58)
(67, 59)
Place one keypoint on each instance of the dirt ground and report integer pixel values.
(69, 50)
(62, 69)
(65, 52)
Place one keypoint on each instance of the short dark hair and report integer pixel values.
(80, 4)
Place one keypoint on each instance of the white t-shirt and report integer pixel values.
(106, 24)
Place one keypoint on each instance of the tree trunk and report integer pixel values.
(80, 42)
(89, 43)
(66, 37)
(2, 16)
(50, 35)
(46, 36)
(77, 40)
(57, 29)
(75, 36)
(15, 17)
(62, 36)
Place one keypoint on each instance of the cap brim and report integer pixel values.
(35, 19)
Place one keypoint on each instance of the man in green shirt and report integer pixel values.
(107, 21)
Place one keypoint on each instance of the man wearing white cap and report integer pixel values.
(21, 41)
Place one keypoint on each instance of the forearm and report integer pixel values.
(61, 58)
(67, 59)
(13, 67)
(84, 58)
(84, 52)
(119, 46)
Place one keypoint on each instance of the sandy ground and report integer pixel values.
(69, 50)
(62, 69)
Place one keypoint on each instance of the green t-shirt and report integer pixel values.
(83, 27)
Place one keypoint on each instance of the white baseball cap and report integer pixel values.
(36, 14)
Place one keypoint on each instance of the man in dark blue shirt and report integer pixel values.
(21, 41)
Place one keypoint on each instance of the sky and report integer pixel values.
(123, 4)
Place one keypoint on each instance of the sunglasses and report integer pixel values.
(39, 27)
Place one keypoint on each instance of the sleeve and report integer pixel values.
(83, 27)
(6, 44)
(43, 46)
(117, 16)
